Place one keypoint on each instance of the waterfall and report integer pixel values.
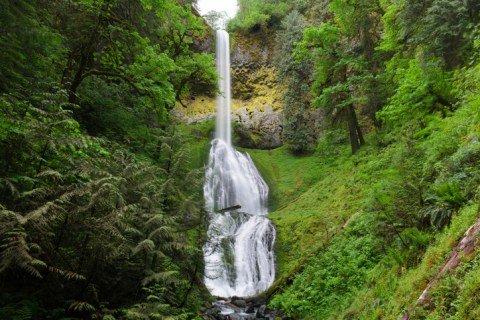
(223, 129)
(239, 259)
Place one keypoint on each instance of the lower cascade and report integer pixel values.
(239, 258)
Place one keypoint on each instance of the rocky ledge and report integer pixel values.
(258, 129)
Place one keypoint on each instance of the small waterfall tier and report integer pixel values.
(239, 258)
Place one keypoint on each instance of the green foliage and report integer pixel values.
(90, 223)
(120, 209)
(448, 197)
(23, 310)
(147, 45)
(417, 195)
(416, 186)
(256, 14)
(31, 49)
(332, 277)
(294, 74)
(100, 201)
(337, 73)
(442, 28)
(421, 91)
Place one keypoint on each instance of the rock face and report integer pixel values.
(253, 72)
(254, 81)
(256, 124)
(256, 96)
(258, 129)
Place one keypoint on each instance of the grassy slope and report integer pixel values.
(313, 196)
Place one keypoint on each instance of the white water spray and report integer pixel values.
(239, 259)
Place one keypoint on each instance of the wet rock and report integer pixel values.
(258, 129)
(261, 312)
(233, 307)
(231, 310)
(213, 313)
(250, 309)
(235, 316)
(240, 303)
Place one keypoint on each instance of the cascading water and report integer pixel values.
(239, 259)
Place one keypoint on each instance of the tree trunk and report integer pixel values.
(352, 128)
(357, 127)
(82, 66)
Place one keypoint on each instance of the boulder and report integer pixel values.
(239, 303)
(261, 312)
(258, 129)
(250, 309)
(235, 316)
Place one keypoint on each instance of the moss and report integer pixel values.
(203, 108)
(198, 136)
(258, 45)
(195, 106)
(258, 85)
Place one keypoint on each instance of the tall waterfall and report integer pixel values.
(239, 259)
(223, 129)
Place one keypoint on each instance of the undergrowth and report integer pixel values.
(360, 237)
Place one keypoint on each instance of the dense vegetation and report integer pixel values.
(100, 203)
(100, 189)
(361, 236)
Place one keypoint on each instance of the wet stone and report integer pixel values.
(261, 311)
(250, 309)
(240, 303)
(233, 307)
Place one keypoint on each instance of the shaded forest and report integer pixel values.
(100, 202)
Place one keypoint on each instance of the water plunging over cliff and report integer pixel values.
(239, 259)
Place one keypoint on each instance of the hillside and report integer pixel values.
(348, 243)
(374, 211)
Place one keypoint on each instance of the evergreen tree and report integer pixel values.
(296, 76)
(338, 75)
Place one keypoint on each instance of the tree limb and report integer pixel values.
(112, 74)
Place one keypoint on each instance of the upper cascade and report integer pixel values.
(224, 128)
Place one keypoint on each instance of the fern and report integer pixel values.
(24, 310)
(167, 277)
(8, 188)
(92, 221)
(69, 275)
(47, 211)
(160, 233)
(15, 252)
(145, 246)
(51, 175)
(81, 306)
